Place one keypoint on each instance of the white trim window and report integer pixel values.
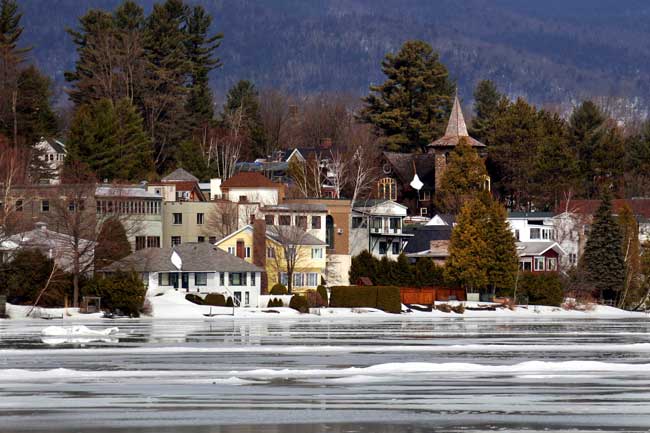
(551, 264)
(316, 253)
(247, 252)
(298, 279)
(312, 279)
(231, 250)
(284, 278)
(270, 252)
(535, 233)
(201, 279)
(539, 264)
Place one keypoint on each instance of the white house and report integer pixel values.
(199, 268)
(377, 227)
(537, 244)
(53, 152)
(251, 187)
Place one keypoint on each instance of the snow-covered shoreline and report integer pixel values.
(173, 305)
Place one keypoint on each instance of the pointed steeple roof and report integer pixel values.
(456, 125)
(456, 129)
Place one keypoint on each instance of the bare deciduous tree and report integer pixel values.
(290, 252)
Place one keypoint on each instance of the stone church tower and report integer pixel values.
(456, 131)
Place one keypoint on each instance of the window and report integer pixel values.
(222, 278)
(298, 279)
(176, 240)
(269, 220)
(315, 222)
(237, 278)
(140, 242)
(383, 247)
(316, 253)
(145, 279)
(200, 239)
(247, 298)
(285, 220)
(312, 279)
(51, 157)
(270, 252)
(252, 280)
(395, 248)
(231, 250)
(243, 198)
(247, 252)
(153, 241)
(424, 211)
(301, 221)
(284, 279)
(199, 219)
(387, 188)
(539, 263)
(551, 264)
(45, 205)
(19, 205)
(177, 218)
(573, 258)
(163, 279)
(173, 280)
(535, 233)
(357, 222)
(517, 235)
(291, 252)
(377, 223)
(395, 225)
(201, 279)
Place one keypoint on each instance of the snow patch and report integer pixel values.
(77, 331)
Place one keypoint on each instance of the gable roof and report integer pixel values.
(249, 179)
(423, 235)
(525, 249)
(246, 228)
(195, 257)
(55, 144)
(402, 164)
(456, 130)
(180, 175)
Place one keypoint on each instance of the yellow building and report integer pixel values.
(307, 254)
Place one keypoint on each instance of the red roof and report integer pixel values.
(639, 206)
(249, 179)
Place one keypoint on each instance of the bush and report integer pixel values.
(385, 298)
(279, 289)
(458, 309)
(121, 292)
(322, 291)
(445, 308)
(195, 299)
(541, 289)
(299, 303)
(314, 299)
(229, 302)
(274, 303)
(215, 299)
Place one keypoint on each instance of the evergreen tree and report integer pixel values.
(637, 162)
(468, 248)
(243, 98)
(363, 265)
(110, 140)
(200, 49)
(502, 258)
(464, 177)
(36, 118)
(403, 272)
(488, 103)
(112, 243)
(189, 157)
(603, 258)
(427, 273)
(412, 106)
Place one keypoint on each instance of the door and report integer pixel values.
(240, 249)
(185, 281)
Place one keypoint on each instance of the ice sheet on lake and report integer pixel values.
(77, 331)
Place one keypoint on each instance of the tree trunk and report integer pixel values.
(14, 103)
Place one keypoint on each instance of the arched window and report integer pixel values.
(387, 188)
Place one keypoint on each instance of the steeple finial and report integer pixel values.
(456, 126)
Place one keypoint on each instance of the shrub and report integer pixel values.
(385, 298)
(445, 308)
(215, 299)
(275, 303)
(229, 302)
(299, 303)
(458, 309)
(121, 292)
(322, 291)
(279, 289)
(541, 289)
(195, 299)
(314, 299)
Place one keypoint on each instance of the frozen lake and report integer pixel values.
(334, 375)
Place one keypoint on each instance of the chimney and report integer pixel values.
(326, 143)
(259, 252)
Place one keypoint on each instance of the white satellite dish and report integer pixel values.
(176, 260)
(416, 183)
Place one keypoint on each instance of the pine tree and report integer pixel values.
(468, 248)
(110, 140)
(464, 177)
(200, 50)
(363, 265)
(603, 258)
(244, 98)
(36, 118)
(427, 273)
(488, 102)
(112, 243)
(502, 258)
(412, 106)
(403, 270)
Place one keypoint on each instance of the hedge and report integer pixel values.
(279, 289)
(541, 289)
(322, 291)
(385, 298)
(299, 303)
(215, 299)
